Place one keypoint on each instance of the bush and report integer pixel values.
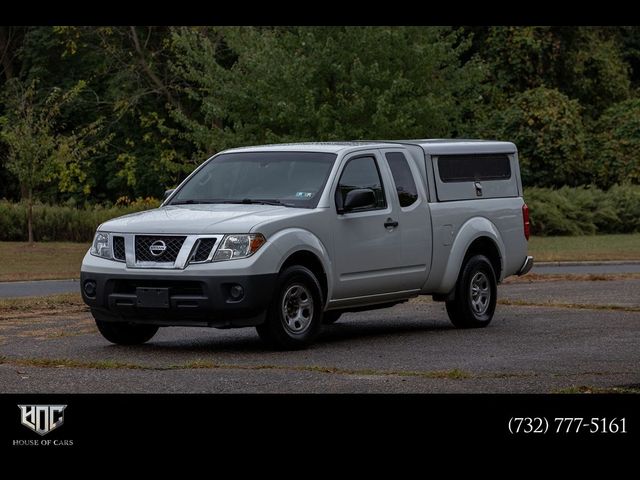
(563, 211)
(62, 222)
(584, 210)
(625, 200)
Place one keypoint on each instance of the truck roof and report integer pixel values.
(435, 145)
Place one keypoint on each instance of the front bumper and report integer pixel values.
(193, 300)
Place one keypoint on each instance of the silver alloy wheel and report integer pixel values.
(297, 308)
(480, 293)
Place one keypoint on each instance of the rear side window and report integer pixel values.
(361, 172)
(470, 168)
(402, 177)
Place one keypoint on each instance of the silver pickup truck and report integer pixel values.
(288, 237)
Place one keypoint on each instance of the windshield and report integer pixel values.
(293, 179)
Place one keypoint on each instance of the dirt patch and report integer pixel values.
(588, 389)
(526, 303)
(36, 306)
(536, 277)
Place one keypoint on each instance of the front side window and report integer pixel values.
(361, 172)
(403, 178)
(293, 179)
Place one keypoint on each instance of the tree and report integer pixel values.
(256, 85)
(584, 63)
(36, 152)
(616, 143)
(548, 130)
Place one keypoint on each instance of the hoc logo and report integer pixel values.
(42, 418)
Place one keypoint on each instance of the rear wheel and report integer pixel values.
(294, 316)
(475, 296)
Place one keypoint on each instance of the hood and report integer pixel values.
(198, 219)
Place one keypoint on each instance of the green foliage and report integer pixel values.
(36, 151)
(322, 83)
(28, 130)
(584, 210)
(156, 101)
(625, 200)
(548, 130)
(597, 73)
(63, 223)
(563, 211)
(584, 63)
(616, 144)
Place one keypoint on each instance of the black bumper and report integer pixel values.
(200, 301)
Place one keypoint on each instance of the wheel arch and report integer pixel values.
(311, 261)
(477, 236)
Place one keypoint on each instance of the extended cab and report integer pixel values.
(288, 237)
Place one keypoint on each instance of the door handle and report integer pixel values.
(390, 223)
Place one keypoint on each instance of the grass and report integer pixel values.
(66, 301)
(41, 260)
(59, 260)
(70, 363)
(586, 248)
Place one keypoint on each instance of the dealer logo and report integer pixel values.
(42, 418)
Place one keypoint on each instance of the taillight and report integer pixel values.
(525, 219)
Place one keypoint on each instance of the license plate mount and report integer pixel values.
(152, 297)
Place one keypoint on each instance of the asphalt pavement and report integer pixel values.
(38, 288)
(550, 337)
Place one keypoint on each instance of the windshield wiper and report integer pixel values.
(257, 201)
(192, 202)
(245, 201)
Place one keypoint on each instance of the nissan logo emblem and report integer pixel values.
(157, 248)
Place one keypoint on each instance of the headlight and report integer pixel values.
(239, 246)
(101, 246)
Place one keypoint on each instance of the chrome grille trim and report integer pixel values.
(183, 258)
(196, 250)
(119, 253)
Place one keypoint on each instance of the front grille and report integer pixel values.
(204, 249)
(118, 248)
(172, 248)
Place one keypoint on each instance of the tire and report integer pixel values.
(123, 333)
(330, 317)
(475, 295)
(294, 317)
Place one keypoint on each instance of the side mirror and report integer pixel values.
(168, 193)
(359, 198)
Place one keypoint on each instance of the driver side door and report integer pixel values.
(366, 245)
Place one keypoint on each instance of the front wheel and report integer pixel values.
(476, 294)
(294, 316)
(331, 317)
(122, 333)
